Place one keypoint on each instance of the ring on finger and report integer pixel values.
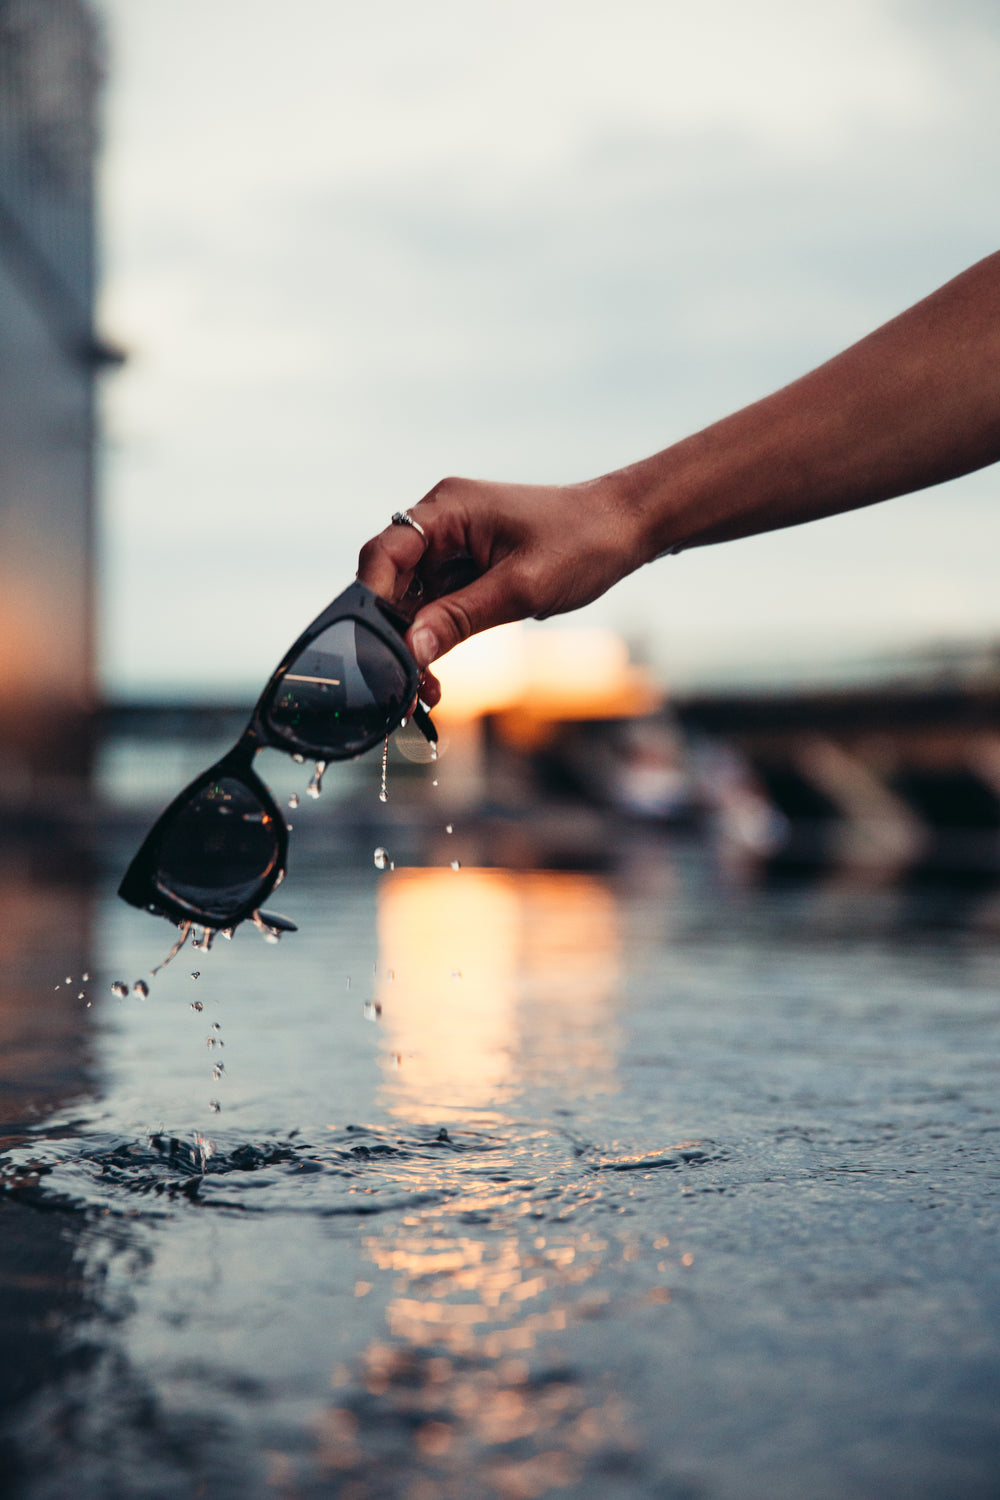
(403, 518)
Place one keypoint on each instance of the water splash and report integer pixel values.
(185, 934)
(383, 793)
(315, 787)
(381, 858)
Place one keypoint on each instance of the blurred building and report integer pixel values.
(49, 359)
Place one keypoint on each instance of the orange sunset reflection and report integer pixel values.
(489, 979)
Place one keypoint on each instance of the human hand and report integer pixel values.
(517, 551)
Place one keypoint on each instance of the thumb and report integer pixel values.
(445, 622)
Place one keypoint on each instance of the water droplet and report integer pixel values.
(299, 760)
(85, 978)
(456, 973)
(456, 864)
(372, 1010)
(449, 828)
(89, 1004)
(390, 975)
(434, 782)
(210, 1041)
(195, 973)
(185, 934)
(218, 1070)
(348, 981)
(197, 1005)
(381, 858)
(228, 933)
(216, 1026)
(383, 794)
(214, 1106)
(434, 754)
(69, 979)
(289, 826)
(293, 800)
(141, 988)
(119, 989)
(82, 995)
(315, 787)
(58, 987)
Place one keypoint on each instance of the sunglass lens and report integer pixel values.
(341, 694)
(220, 851)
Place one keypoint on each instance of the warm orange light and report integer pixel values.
(496, 976)
(540, 676)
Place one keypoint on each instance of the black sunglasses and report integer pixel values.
(221, 847)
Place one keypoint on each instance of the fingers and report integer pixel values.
(387, 563)
(489, 600)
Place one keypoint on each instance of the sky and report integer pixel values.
(350, 250)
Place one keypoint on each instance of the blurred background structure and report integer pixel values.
(348, 264)
(49, 359)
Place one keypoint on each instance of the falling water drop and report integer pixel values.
(383, 792)
(381, 858)
(315, 787)
(434, 782)
(293, 800)
(299, 759)
(141, 988)
(214, 1106)
(434, 754)
(82, 995)
(69, 979)
(456, 864)
(195, 973)
(85, 978)
(456, 973)
(119, 989)
(197, 1005)
(218, 1070)
(449, 828)
(372, 1010)
(185, 934)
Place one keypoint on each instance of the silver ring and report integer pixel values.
(403, 518)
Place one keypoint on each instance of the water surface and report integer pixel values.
(522, 1182)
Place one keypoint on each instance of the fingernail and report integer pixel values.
(424, 646)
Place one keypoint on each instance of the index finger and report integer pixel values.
(387, 562)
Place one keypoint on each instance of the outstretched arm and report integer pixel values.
(915, 403)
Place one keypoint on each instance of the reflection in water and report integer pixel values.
(492, 977)
(45, 952)
(487, 983)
